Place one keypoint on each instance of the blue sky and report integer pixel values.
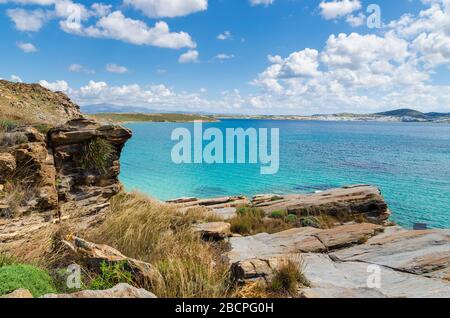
(273, 57)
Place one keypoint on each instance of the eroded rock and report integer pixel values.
(213, 230)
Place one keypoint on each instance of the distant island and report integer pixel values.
(119, 113)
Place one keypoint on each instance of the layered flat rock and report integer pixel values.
(213, 203)
(118, 291)
(347, 235)
(424, 253)
(225, 213)
(351, 200)
(213, 230)
(330, 279)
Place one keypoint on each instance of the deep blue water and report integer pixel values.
(410, 162)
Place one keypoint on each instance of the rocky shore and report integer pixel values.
(61, 203)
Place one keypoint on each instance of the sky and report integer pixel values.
(234, 56)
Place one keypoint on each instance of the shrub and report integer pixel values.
(159, 234)
(97, 154)
(288, 278)
(7, 125)
(250, 221)
(278, 214)
(37, 281)
(111, 275)
(311, 221)
(43, 128)
(291, 218)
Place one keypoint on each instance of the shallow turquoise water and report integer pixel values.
(410, 162)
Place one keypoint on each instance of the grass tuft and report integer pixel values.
(97, 154)
(36, 280)
(250, 221)
(288, 278)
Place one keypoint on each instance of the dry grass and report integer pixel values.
(158, 234)
(288, 278)
(251, 221)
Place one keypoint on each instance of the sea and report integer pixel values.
(409, 162)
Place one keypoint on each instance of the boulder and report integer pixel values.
(350, 200)
(118, 291)
(19, 293)
(213, 230)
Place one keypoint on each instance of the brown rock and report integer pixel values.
(7, 164)
(347, 235)
(19, 293)
(95, 254)
(118, 291)
(351, 200)
(213, 230)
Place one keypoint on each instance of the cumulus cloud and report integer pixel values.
(28, 20)
(168, 8)
(117, 26)
(27, 47)
(114, 68)
(338, 8)
(190, 56)
(57, 86)
(16, 78)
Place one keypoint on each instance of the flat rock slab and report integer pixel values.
(357, 199)
(225, 213)
(214, 230)
(118, 291)
(330, 279)
(347, 235)
(424, 253)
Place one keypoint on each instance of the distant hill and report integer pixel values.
(32, 103)
(403, 113)
(119, 109)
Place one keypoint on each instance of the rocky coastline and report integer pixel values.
(61, 203)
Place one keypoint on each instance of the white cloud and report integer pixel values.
(16, 78)
(57, 86)
(28, 20)
(114, 68)
(356, 20)
(117, 26)
(78, 68)
(259, 2)
(27, 47)
(224, 36)
(168, 8)
(338, 8)
(223, 56)
(190, 56)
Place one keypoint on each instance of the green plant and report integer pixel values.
(278, 214)
(36, 280)
(311, 221)
(42, 128)
(7, 125)
(96, 154)
(288, 278)
(291, 218)
(111, 275)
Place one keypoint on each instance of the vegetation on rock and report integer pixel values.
(97, 154)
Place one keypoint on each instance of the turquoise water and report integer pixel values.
(410, 162)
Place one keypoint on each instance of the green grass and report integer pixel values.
(250, 221)
(36, 280)
(7, 125)
(136, 117)
(111, 275)
(97, 154)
